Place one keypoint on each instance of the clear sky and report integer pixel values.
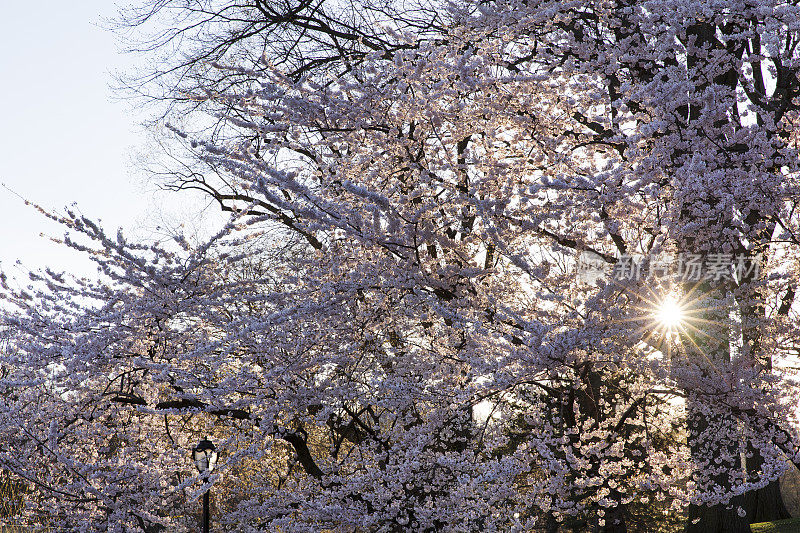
(64, 138)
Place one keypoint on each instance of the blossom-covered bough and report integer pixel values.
(414, 351)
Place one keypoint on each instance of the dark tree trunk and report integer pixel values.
(551, 524)
(709, 451)
(615, 521)
(716, 519)
(765, 504)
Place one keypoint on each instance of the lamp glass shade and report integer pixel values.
(205, 456)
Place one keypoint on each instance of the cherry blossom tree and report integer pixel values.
(415, 349)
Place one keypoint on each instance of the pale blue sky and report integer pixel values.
(63, 136)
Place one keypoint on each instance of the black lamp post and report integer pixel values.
(205, 458)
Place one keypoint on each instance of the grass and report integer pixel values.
(791, 525)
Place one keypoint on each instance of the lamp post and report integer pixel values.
(205, 458)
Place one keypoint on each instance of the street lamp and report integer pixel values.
(205, 458)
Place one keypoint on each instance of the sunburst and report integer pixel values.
(670, 314)
(680, 320)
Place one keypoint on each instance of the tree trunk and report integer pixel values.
(716, 519)
(711, 431)
(615, 521)
(551, 524)
(720, 518)
(765, 504)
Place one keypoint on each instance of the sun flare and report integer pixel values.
(670, 314)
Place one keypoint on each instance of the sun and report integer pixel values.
(669, 313)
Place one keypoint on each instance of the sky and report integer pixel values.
(65, 137)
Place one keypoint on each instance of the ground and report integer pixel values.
(781, 526)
